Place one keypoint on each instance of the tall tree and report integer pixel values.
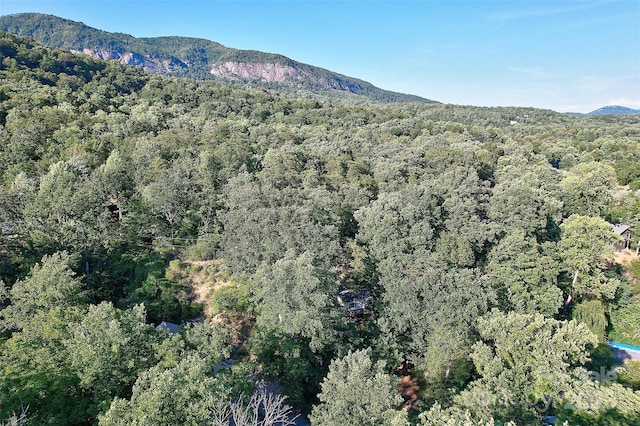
(172, 195)
(62, 205)
(587, 189)
(208, 341)
(109, 347)
(517, 204)
(261, 223)
(401, 223)
(599, 404)
(586, 247)
(180, 395)
(526, 197)
(51, 283)
(36, 372)
(592, 314)
(424, 307)
(525, 274)
(625, 324)
(298, 323)
(295, 298)
(524, 360)
(343, 402)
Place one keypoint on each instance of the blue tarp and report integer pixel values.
(624, 352)
(624, 346)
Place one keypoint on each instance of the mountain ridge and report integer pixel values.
(196, 58)
(614, 109)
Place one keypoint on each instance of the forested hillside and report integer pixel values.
(196, 58)
(308, 249)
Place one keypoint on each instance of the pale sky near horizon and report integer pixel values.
(562, 55)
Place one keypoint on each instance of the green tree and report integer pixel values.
(586, 189)
(295, 298)
(62, 205)
(289, 361)
(298, 323)
(427, 315)
(625, 324)
(465, 204)
(525, 274)
(526, 196)
(401, 223)
(115, 181)
(455, 416)
(15, 198)
(35, 364)
(343, 400)
(629, 374)
(261, 223)
(35, 370)
(517, 204)
(208, 341)
(593, 403)
(108, 348)
(180, 395)
(592, 314)
(172, 195)
(51, 283)
(586, 246)
(523, 361)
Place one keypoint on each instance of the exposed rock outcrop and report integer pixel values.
(192, 57)
(271, 73)
(132, 58)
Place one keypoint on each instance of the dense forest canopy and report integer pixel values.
(308, 249)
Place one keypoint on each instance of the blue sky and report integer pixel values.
(562, 55)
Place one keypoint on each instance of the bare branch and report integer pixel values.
(265, 408)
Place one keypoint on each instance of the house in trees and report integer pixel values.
(6, 228)
(353, 302)
(7, 231)
(625, 232)
(114, 209)
(169, 327)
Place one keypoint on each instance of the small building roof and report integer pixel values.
(620, 228)
(169, 327)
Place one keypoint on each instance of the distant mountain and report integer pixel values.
(192, 57)
(615, 109)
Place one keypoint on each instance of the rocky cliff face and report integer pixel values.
(278, 73)
(270, 73)
(131, 58)
(263, 72)
(191, 57)
(230, 70)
